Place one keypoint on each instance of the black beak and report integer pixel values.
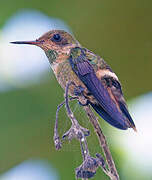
(37, 42)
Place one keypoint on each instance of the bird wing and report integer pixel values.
(113, 86)
(111, 82)
(106, 106)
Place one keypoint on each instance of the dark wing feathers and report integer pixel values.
(84, 68)
(115, 114)
(107, 117)
(95, 86)
(85, 72)
(116, 91)
(126, 113)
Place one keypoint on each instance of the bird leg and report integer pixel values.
(78, 91)
(56, 138)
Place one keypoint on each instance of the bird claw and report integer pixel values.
(83, 104)
(76, 131)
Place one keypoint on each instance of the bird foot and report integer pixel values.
(76, 131)
(83, 104)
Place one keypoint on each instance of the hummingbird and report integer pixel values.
(92, 77)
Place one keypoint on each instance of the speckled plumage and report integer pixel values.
(101, 87)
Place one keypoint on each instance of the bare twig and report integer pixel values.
(57, 140)
(90, 164)
(103, 143)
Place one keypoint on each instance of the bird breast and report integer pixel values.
(65, 74)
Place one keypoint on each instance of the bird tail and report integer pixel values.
(108, 118)
(129, 118)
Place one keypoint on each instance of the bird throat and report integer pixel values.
(52, 55)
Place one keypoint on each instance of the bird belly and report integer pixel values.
(65, 74)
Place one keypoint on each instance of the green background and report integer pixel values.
(119, 31)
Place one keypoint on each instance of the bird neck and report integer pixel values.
(59, 55)
(52, 55)
(56, 58)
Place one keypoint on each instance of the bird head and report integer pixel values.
(55, 43)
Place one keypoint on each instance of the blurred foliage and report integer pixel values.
(120, 31)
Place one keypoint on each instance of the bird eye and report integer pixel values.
(56, 38)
